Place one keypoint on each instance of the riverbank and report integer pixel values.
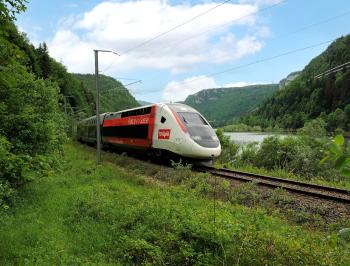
(126, 212)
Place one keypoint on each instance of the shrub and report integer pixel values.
(29, 115)
(229, 149)
(248, 154)
(296, 154)
(32, 128)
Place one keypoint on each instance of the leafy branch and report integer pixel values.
(339, 153)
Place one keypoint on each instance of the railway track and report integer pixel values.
(318, 191)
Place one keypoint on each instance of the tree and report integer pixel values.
(9, 8)
(336, 119)
(315, 128)
(44, 60)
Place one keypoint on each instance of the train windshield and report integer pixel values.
(199, 130)
(192, 119)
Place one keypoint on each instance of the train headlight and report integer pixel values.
(214, 138)
(196, 138)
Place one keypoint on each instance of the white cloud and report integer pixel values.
(237, 84)
(178, 91)
(121, 26)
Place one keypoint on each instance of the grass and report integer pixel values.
(110, 215)
(343, 183)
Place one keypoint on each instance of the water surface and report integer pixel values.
(244, 138)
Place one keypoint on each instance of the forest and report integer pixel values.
(35, 112)
(57, 207)
(311, 95)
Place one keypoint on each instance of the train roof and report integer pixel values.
(177, 107)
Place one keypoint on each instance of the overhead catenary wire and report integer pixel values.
(251, 63)
(266, 59)
(263, 60)
(168, 31)
(122, 87)
(225, 24)
(333, 70)
(296, 31)
(176, 27)
(320, 22)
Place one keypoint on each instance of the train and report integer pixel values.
(162, 130)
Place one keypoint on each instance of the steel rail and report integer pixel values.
(319, 191)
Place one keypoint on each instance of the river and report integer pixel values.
(244, 138)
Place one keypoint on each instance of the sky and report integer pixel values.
(238, 43)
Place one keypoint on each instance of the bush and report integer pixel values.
(12, 169)
(6, 193)
(32, 128)
(229, 149)
(29, 115)
(248, 154)
(296, 154)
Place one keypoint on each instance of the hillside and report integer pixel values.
(39, 100)
(114, 96)
(143, 102)
(79, 87)
(309, 97)
(222, 105)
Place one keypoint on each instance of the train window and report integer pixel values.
(135, 131)
(192, 118)
(141, 111)
(162, 120)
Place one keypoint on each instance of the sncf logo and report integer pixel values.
(163, 133)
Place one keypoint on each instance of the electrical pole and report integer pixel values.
(98, 127)
(98, 122)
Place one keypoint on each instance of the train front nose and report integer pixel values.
(204, 136)
(206, 143)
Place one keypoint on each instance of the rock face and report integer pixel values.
(284, 82)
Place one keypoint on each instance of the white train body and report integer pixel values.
(173, 128)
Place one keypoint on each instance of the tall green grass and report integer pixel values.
(106, 215)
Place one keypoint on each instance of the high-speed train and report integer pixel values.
(159, 129)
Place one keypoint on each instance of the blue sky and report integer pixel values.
(180, 63)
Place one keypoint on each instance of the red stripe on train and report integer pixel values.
(127, 121)
(129, 141)
(152, 119)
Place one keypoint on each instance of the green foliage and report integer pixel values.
(315, 128)
(339, 154)
(150, 224)
(229, 150)
(32, 86)
(10, 8)
(307, 98)
(249, 153)
(220, 106)
(31, 122)
(30, 117)
(114, 96)
(295, 154)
